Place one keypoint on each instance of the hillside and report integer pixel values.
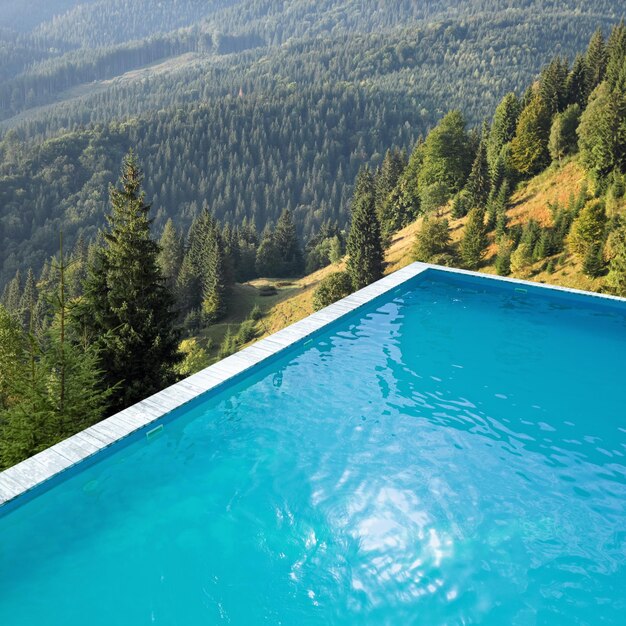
(530, 201)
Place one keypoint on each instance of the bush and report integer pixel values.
(267, 290)
(332, 288)
(522, 258)
(503, 260)
(432, 240)
(195, 357)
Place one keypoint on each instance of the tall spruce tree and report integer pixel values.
(288, 249)
(595, 61)
(364, 248)
(214, 287)
(12, 347)
(127, 308)
(577, 83)
(502, 127)
(602, 133)
(616, 56)
(170, 253)
(553, 85)
(474, 240)
(478, 183)
(12, 294)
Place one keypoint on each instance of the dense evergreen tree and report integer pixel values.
(503, 258)
(602, 133)
(12, 294)
(127, 309)
(12, 347)
(616, 55)
(208, 264)
(503, 127)
(588, 230)
(478, 183)
(474, 242)
(577, 83)
(404, 202)
(530, 145)
(553, 85)
(364, 248)
(170, 254)
(279, 254)
(289, 251)
(595, 61)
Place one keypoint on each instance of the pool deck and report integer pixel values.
(39, 469)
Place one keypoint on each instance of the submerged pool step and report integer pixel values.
(152, 434)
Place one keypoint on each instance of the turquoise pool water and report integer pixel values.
(453, 455)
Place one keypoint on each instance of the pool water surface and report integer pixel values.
(453, 454)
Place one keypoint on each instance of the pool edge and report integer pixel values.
(41, 468)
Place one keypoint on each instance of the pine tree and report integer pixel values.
(553, 85)
(170, 254)
(364, 248)
(387, 177)
(530, 145)
(214, 288)
(127, 308)
(588, 230)
(28, 302)
(616, 56)
(474, 240)
(12, 295)
(12, 346)
(206, 254)
(595, 61)
(602, 133)
(576, 86)
(593, 263)
(404, 202)
(288, 249)
(502, 128)
(503, 259)
(267, 259)
(478, 182)
(432, 241)
(188, 288)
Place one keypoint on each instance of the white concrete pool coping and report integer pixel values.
(42, 467)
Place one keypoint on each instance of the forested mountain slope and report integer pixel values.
(537, 191)
(259, 107)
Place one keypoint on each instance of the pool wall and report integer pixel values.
(146, 417)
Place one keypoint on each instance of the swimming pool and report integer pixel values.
(451, 452)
